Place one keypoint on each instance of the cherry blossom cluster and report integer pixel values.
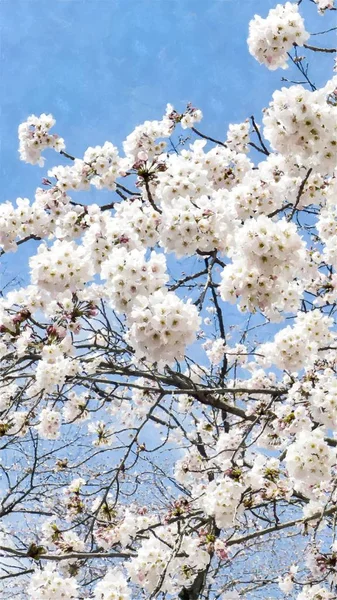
(270, 39)
(195, 173)
(327, 229)
(238, 136)
(297, 347)
(140, 218)
(143, 398)
(142, 144)
(34, 137)
(301, 125)
(50, 422)
(62, 266)
(161, 326)
(323, 399)
(221, 500)
(55, 365)
(105, 163)
(309, 461)
(20, 222)
(202, 224)
(49, 584)
(113, 586)
(129, 275)
(322, 565)
(119, 524)
(315, 592)
(267, 256)
(179, 565)
(75, 408)
(103, 233)
(100, 167)
(323, 5)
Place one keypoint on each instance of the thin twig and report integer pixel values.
(300, 192)
(316, 49)
(207, 137)
(257, 131)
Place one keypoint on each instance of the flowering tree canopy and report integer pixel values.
(168, 393)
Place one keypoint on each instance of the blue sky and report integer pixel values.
(101, 67)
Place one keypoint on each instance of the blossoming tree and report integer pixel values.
(157, 441)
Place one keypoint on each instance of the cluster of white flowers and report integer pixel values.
(295, 347)
(75, 407)
(226, 446)
(49, 425)
(18, 423)
(215, 350)
(301, 124)
(54, 367)
(142, 402)
(66, 220)
(267, 257)
(74, 177)
(190, 117)
(63, 266)
(323, 399)
(150, 563)
(190, 468)
(100, 167)
(20, 222)
(202, 224)
(291, 417)
(315, 592)
(271, 186)
(313, 398)
(221, 500)
(142, 144)
(63, 541)
(309, 460)
(105, 164)
(286, 583)
(156, 559)
(117, 524)
(104, 435)
(266, 479)
(238, 136)
(113, 586)
(161, 326)
(129, 276)
(270, 39)
(323, 5)
(327, 229)
(315, 190)
(104, 233)
(196, 173)
(141, 217)
(7, 393)
(48, 584)
(34, 137)
(185, 175)
(321, 565)
(53, 199)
